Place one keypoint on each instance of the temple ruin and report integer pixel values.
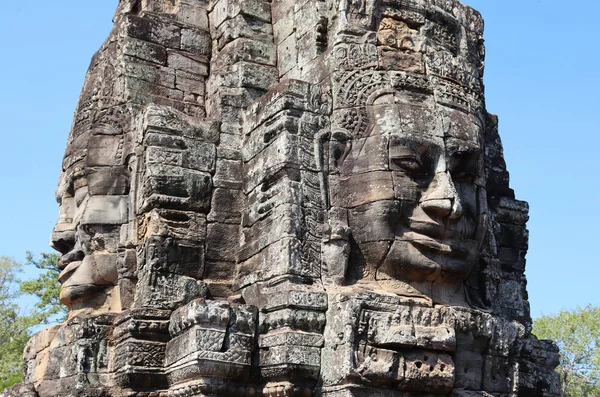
(289, 198)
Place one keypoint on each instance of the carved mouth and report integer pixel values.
(448, 246)
(433, 245)
(74, 293)
(70, 257)
(434, 237)
(68, 271)
(429, 230)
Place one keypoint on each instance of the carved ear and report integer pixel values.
(131, 163)
(339, 147)
(330, 152)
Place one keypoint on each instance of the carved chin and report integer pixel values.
(70, 294)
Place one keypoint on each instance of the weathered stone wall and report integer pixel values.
(289, 198)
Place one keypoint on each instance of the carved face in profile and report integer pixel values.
(94, 201)
(412, 189)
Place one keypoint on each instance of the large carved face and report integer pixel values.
(94, 200)
(411, 187)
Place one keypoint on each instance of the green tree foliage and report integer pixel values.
(46, 288)
(15, 325)
(577, 334)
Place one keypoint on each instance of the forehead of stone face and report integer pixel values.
(404, 114)
(96, 154)
(461, 128)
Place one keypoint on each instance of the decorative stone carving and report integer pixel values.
(281, 198)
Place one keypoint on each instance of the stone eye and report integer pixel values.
(463, 167)
(80, 195)
(406, 159)
(464, 176)
(409, 164)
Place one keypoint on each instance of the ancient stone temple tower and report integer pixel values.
(289, 198)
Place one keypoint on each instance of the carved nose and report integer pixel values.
(443, 200)
(443, 208)
(63, 240)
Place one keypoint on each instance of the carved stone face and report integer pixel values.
(94, 202)
(411, 186)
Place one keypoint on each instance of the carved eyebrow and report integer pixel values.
(458, 146)
(340, 136)
(419, 145)
(464, 158)
(463, 150)
(402, 151)
(65, 186)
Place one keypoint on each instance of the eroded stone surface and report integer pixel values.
(283, 198)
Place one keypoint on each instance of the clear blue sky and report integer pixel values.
(541, 79)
